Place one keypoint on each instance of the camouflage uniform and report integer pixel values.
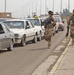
(49, 32)
(71, 23)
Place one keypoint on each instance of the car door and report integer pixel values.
(42, 27)
(2, 37)
(28, 31)
(32, 29)
(8, 36)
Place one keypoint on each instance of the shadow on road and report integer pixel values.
(4, 51)
(17, 45)
(27, 43)
(39, 49)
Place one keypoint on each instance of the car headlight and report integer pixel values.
(16, 35)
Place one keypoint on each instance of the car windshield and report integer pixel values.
(2, 20)
(15, 24)
(35, 21)
(58, 19)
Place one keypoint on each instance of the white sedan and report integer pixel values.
(38, 25)
(24, 30)
(6, 37)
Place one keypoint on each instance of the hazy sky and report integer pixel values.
(22, 8)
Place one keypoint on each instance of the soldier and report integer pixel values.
(71, 23)
(49, 23)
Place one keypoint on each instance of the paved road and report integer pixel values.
(24, 60)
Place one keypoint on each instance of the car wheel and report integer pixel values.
(35, 39)
(53, 34)
(40, 37)
(11, 46)
(62, 29)
(23, 41)
(57, 31)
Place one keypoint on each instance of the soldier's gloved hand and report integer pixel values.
(53, 23)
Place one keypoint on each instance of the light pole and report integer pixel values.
(36, 7)
(29, 7)
(53, 6)
(40, 7)
(32, 6)
(61, 6)
(5, 6)
(45, 6)
(69, 5)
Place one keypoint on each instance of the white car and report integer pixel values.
(4, 19)
(38, 25)
(24, 31)
(6, 37)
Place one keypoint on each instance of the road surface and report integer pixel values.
(24, 60)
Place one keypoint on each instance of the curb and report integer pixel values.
(46, 68)
(52, 72)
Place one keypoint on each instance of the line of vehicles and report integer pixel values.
(19, 31)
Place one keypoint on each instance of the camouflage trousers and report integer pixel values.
(48, 34)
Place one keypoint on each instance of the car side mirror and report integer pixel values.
(27, 27)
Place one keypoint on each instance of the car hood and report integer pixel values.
(17, 30)
(37, 26)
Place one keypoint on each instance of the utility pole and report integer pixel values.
(36, 7)
(29, 9)
(32, 7)
(53, 6)
(45, 6)
(5, 6)
(61, 6)
(40, 7)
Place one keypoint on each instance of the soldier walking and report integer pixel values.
(71, 23)
(49, 23)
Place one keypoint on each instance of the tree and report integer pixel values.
(65, 13)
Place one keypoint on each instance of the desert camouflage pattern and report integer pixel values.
(71, 23)
(48, 34)
(49, 31)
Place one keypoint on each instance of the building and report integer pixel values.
(5, 15)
